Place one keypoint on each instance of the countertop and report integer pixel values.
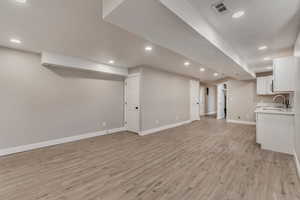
(276, 112)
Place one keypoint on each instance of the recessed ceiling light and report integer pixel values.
(148, 48)
(202, 69)
(267, 58)
(111, 62)
(187, 64)
(16, 41)
(21, 1)
(238, 14)
(216, 74)
(261, 48)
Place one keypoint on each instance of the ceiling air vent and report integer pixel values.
(220, 7)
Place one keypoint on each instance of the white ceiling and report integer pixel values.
(162, 25)
(76, 28)
(274, 23)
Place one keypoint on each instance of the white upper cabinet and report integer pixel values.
(265, 85)
(284, 74)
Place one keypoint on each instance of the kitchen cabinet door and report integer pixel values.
(264, 85)
(275, 132)
(284, 70)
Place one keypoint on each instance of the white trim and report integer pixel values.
(297, 163)
(8, 151)
(241, 122)
(155, 130)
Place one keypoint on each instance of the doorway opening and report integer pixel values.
(210, 92)
(222, 101)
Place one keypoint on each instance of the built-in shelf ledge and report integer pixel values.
(52, 59)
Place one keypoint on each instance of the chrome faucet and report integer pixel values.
(283, 99)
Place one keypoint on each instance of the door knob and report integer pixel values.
(137, 108)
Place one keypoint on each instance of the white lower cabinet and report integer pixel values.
(275, 132)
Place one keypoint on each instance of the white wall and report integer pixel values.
(297, 102)
(165, 98)
(242, 100)
(39, 104)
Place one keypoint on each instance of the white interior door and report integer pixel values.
(202, 101)
(221, 102)
(195, 100)
(132, 103)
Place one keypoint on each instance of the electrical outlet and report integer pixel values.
(157, 121)
(104, 124)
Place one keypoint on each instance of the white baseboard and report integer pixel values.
(211, 113)
(297, 163)
(155, 130)
(29, 147)
(241, 122)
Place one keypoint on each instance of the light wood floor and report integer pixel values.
(203, 160)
